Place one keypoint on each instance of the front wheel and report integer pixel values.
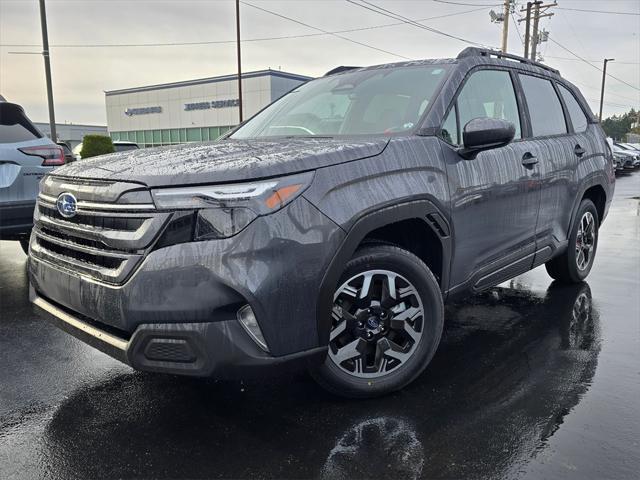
(575, 263)
(387, 319)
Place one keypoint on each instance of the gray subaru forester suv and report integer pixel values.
(327, 231)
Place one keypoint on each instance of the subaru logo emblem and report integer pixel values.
(67, 205)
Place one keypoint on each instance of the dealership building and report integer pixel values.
(193, 110)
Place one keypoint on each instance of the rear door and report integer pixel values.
(20, 174)
(494, 197)
(560, 152)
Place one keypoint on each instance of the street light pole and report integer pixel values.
(239, 59)
(47, 70)
(604, 77)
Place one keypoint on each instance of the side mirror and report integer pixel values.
(485, 133)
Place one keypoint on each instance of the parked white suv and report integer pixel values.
(26, 155)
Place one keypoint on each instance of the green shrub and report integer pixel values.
(93, 145)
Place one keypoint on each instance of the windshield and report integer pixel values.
(377, 101)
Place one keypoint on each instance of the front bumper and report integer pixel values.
(221, 349)
(275, 265)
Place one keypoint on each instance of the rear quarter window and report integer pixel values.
(578, 118)
(15, 126)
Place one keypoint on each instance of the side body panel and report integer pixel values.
(494, 208)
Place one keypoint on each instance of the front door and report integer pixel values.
(495, 198)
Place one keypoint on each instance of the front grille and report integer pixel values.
(71, 254)
(104, 240)
(128, 224)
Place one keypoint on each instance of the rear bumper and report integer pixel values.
(221, 349)
(16, 219)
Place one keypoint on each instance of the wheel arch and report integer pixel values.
(595, 189)
(368, 227)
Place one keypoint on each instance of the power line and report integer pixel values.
(515, 22)
(592, 65)
(597, 11)
(466, 4)
(611, 104)
(217, 42)
(578, 60)
(591, 87)
(324, 31)
(396, 16)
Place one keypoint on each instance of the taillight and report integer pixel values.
(52, 155)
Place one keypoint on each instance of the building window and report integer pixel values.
(194, 135)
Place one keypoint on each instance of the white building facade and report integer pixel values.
(193, 110)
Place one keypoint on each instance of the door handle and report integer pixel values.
(579, 151)
(529, 160)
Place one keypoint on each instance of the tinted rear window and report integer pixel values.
(67, 150)
(547, 117)
(15, 126)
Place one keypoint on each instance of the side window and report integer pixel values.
(578, 118)
(489, 93)
(544, 105)
(449, 132)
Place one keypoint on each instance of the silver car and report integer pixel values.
(25, 156)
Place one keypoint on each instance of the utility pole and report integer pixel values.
(239, 59)
(534, 36)
(604, 77)
(527, 31)
(47, 70)
(532, 39)
(505, 25)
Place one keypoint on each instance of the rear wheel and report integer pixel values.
(575, 263)
(387, 318)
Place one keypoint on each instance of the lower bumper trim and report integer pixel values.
(221, 349)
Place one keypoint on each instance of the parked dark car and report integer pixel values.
(327, 231)
(68, 154)
(626, 157)
(26, 155)
(630, 150)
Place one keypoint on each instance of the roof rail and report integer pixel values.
(482, 52)
(339, 69)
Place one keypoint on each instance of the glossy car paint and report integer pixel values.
(494, 217)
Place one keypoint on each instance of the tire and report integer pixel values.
(405, 330)
(24, 243)
(575, 263)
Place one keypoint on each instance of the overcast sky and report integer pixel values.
(81, 74)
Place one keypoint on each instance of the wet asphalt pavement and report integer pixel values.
(532, 380)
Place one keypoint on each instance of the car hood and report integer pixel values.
(222, 161)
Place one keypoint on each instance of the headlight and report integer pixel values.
(223, 210)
